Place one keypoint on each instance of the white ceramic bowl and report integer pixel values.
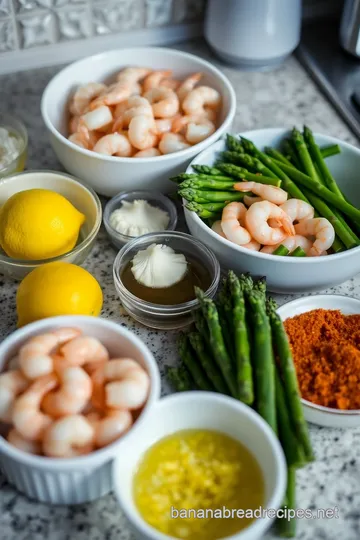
(106, 174)
(287, 274)
(82, 197)
(317, 414)
(203, 410)
(85, 478)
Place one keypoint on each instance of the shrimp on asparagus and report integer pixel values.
(323, 231)
(291, 243)
(272, 194)
(27, 417)
(298, 209)
(256, 220)
(12, 383)
(231, 217)
(68, 437)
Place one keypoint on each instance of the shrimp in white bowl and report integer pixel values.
(291, 243)
(256, 220)
(321, 229)
(231, 219)
(172, 142)
(272, 194)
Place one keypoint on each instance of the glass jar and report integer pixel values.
(16, 128)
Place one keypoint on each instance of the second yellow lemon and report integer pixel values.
(38, 224)
(57, 288)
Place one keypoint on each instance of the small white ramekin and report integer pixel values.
(203, 410)
(85, 478)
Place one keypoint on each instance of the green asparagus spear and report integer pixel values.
(291, 154)
(303, 154)
(246, 283)
(196, 371)
(205, 169)
(201, 211)
(210, 196)
(266, 160)
(260, 286)
(288, 374)
(243, 174)
(341, 228)
(249, 162)
(223, 305)
(183, 176)
(281, 250)
(286, 528)
(291, 445)
(331, 150)
(209, 183)
(315, 153)
(242, 345)
(298, 252)
(263, 360)
(234, 144)
(201, 326)
(179, 378)
(272, 152)
(208, 363)
(217, 340)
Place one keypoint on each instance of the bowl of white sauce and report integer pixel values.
(131, 214)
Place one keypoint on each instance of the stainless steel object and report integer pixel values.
(336, 72)
(350, 27)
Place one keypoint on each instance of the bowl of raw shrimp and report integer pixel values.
(73, 389)
(285, 274)
(130, 118)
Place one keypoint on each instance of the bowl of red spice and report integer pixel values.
(324, 334)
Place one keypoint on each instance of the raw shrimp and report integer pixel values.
(109, 426)
(35, 355)
(298, 209)
(127, 384)
(12, 383)
(291, 243)
(68, 437)
(82, 351)
(135, 106)
(323, 231)
(95, 119)
(27, 417)
(149, 152)
(164, 101)
(155, 79)
(248, 200)
(83, 96)
(72, 395)
(232, 214)
(188, 85)
(143, 132)
(172, 142)
(256, 220)
(199, 98)
(216, 227)
(197, 128)
(17, 440)
(268, 193)
(114, 144)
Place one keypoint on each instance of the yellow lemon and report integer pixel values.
(38, 224)
(57, 288)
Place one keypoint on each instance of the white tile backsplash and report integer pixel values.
(5, 8)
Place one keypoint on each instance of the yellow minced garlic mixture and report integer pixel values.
(192, 471)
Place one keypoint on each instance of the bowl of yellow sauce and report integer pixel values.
(199, 469)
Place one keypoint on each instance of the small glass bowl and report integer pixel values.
(81, 196)
(14, 125)
(159, 316)
(155, 198)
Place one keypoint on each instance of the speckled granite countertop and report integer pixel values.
(280, 98)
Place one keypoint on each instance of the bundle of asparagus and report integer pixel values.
(240, 348)
(300, 170)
